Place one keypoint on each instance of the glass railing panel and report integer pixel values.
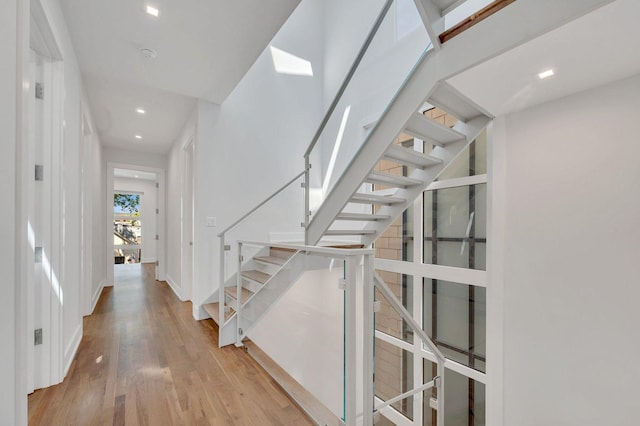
(269, 222)
(396, 47)
(303, 327)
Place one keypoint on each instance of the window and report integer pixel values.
(127, 228)
(447, 227)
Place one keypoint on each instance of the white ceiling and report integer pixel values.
(204, 48)
(601, 47)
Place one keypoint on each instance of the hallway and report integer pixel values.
(144, 360)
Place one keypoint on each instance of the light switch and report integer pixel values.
(211, 221)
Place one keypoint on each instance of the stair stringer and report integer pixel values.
(277, 286)
(227, 332)
(522, 21)
(407, 101)
(472, 130)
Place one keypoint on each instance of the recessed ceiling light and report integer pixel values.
(138, 137)
(140, 111)
(152, 11)
(136, 176)
(546, 74)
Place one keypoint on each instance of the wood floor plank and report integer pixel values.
(144, 360)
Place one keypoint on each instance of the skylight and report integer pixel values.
(152, 11)
(287, 63)
(546, 74)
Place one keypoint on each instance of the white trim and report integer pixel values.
(457, 182)
(473, 277)
(72, 349)
(469, 372)
(175, 287)
(429, 356)
(395, 341)
(42, 39)
(96, 296)
(394, 415)
(160, 224)
(497, 221)
(187, 218)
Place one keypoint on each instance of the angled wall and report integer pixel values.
(566, 268)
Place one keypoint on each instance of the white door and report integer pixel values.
(44, 293)
(187, 222)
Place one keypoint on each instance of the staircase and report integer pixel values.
(265, 277)
(447, 144)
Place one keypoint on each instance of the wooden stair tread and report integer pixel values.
(245, 294)
(474, 19)
(213, 309)
(257, 276)
(271, 259)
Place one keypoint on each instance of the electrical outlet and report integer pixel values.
(211, 221)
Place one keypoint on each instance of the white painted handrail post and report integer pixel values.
(307, 211)
(368, 339)
(221, 307)
(350, 390)
(239, 333)
(440, 391)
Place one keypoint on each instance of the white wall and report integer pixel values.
(99, 218)
(72, 157)
(145, 159)
(308, 340)
(175, 169)
(384, 67)
(148, 204)
(571, 245)
(14, 33)
(253, 143)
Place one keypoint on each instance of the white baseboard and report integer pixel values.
(176, 288)
(96, 296)
(72, 348)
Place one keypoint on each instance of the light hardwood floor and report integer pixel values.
(144, 360)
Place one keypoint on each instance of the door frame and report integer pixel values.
(187, 227)
(160, 223)
(50, 357)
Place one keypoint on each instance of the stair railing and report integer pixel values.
(383, 52)
(438, 381)
(224, 247)
(332, 107)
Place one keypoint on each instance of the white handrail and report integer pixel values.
(269, 198)
(417, 329)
